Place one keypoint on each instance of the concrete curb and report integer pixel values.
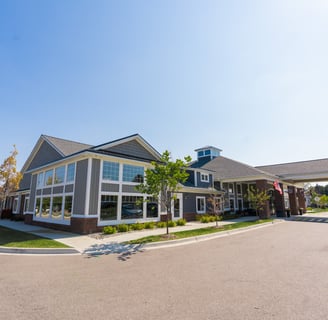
(179, 242)
(39, 251)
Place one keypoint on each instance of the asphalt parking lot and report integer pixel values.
(277, 272)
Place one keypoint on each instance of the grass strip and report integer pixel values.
(198, 232)
(18, 239)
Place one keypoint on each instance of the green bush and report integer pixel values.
(109, 230)
(181, 222)
(137, 226)
(160, 224)
(122, 228)
(172, 224)
(205, 219)
(149, 225)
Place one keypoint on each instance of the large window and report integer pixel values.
(70, 172)
(200, 204)
(108, 208)
(152, 208)
(57, 205)
(39, 182)
(111, 170)
(133, 173)
(37, 207)
(48, 178)
(45, 211)
(59, 175)
(132, 207)
(68, 207)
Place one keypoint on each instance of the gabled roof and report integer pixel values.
(226, 169)
(63, 147)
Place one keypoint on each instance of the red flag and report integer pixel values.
(277, 186)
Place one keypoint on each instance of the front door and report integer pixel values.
(177, 207)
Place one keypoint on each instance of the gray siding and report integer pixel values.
(108, 187)
(32, 194)
(189, 202)
(132, 148)
(80, 187)
(45, 154)
(94, 189)
(129, 189)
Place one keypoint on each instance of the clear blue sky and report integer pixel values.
(249, 77)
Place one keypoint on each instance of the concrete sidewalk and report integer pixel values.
(97, 242)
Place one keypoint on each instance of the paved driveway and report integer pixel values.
(278, 272)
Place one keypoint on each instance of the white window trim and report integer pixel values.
(200, 198)
(206, 176)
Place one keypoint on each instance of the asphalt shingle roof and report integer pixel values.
(67, 147)
(226, 168)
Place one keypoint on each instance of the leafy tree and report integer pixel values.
(163, 181)
(257, 198)
(323, 201)
(9, 176)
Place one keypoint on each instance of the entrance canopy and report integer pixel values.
(300, 172)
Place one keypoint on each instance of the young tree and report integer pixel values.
(257, 198)
(163, 181)
(214, 207)
(9, 176)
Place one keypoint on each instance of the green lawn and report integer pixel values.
(198, 232)
(18, 239)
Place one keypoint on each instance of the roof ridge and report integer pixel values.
(293, 162)
(67, 140)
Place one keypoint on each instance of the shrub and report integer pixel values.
(172, 224)
(109, 230)
(160, 224)
(137, 226)
(122, 228)
(181, 222)
(149, 225)
(205, 219)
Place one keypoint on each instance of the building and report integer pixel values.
(81, 188)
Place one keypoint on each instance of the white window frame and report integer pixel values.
(197, 209)
(204, 177)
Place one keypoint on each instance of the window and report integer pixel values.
(108, 207)
(111, 170)
(239, 188)
(133, 173)
(207, 152)
(200, 154)
(26, 204)
(57, 204)
(232, 204)
(37, 207)
(68, 207)
(204, 177)
(39, 182)
(48, 178)
(59, 175)
(200, 204)
(231, 188)
(70, 172)
(132, 207)
(45, 211)
(15, 207)
(152, 208)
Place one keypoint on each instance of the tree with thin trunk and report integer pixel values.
(9, 176)
(213, 207)
(257, 198)
(163, 180)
